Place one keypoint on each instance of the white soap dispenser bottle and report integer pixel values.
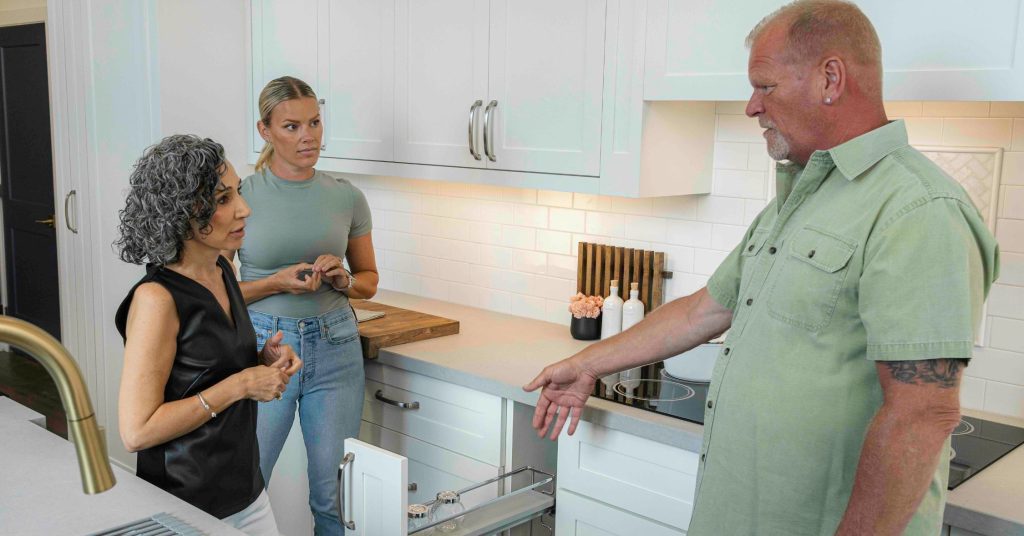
(611, 325)
(632, 313)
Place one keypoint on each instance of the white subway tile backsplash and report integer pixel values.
(514, 250)
(646, 228)
(682, 207)
(531, 216)
(730, 155)
(734, 183)
(1006, 109)
(564, 219)
(972, 393)
(1013, 168)
(605, 224)
(554, 199)
(717, 209)
(1010, 234)
(739, 128)
(924, 130)
(1013, 202)
(1018, 135)
(895, 109)
(554, 242)
(977, 132)
(1004, 398)
(689, 233)
(1006, 334)
(955, 108)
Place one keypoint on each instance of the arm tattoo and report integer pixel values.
(945, 372)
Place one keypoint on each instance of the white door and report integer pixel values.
(545, 89)
(580, 516)
(357, 66)
(284, 41)
(374, 489)
(441, 71)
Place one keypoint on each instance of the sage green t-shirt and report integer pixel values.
(869, 253)
(297, 221)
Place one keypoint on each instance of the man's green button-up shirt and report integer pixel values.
(868, 253)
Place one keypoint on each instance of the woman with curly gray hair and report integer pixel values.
(192, 375)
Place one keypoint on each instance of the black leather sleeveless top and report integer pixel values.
(216, 467)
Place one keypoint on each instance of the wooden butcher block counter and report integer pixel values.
(399, 326)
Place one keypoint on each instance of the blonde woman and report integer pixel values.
(304, 223)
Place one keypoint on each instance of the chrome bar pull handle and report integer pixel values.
(472, 128)
(67, 218)
(323, 133)
(379, 395)
(413, 487)
(489, 131)
(349, 458)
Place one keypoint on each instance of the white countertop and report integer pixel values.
(41, 488)
(497, 354)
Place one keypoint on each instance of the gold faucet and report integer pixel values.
(97, 476)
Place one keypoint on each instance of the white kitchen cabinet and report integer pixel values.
(931, 50)
(580, 516)
(628, 473)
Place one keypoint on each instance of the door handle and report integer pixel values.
(323, 133)
(379, 395)
(349, 458)
(67, 218)
(489, 131)
(413, 487)
(48, 221)
(472, 123)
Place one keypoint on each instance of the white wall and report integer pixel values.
(13, 12)
(513, 250)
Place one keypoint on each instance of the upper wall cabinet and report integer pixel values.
(526, 93)
(931, 49)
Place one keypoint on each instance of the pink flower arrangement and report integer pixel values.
(582, 306)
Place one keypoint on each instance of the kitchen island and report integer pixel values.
(497, 354)
(41, 491)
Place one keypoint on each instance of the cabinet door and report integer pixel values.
(546, 75)
(441, 70)
(580, 516)
(284, 42)
(375, 491)
(357, 66)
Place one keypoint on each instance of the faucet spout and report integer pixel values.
(97, 475)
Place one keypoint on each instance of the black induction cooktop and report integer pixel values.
(977, 444)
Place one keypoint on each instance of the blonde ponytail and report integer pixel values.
(275, 92)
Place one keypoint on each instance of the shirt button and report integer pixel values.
(750, 248)
(750, 301)
(811, 254)
(772, 250)
(702, 456)
(710, 404)
(726, 351)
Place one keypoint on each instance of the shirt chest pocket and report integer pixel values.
(810, 279)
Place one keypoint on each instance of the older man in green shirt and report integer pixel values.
(851, 305)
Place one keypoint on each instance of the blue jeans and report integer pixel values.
(329, 394)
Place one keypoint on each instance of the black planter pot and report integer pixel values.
(585, 329)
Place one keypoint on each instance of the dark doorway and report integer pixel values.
(26, 179)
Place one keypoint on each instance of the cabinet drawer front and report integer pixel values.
(432, 468)
(449, 416)
(580, 516)
(638, 475)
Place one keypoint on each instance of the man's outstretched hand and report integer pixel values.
(566, 385)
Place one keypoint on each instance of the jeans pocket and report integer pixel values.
(342, 330)
(807, 290)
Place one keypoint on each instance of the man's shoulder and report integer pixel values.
(914, 177)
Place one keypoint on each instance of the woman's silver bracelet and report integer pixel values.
(213, 414)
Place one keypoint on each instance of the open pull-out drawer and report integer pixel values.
(374, 497)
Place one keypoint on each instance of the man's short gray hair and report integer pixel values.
(173, 186)
(820, 27)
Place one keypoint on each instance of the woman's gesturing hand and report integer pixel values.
(290, 279)
(263, 383)
(566, 387)
(280, 356)
(331, 268)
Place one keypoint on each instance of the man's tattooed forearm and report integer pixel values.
(945, 372)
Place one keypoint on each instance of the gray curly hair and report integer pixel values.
(173, 186)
